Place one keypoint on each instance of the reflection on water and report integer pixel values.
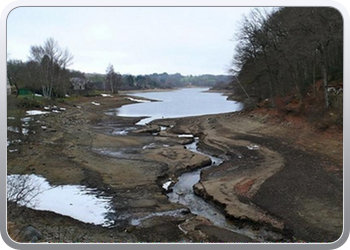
(79, 202)
(178, 103)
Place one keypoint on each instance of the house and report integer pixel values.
(78, 83)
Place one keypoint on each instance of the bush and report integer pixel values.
(30, 103)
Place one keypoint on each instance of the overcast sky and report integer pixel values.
(197, 40)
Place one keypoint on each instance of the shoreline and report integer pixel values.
(78, 130)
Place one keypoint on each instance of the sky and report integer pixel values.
(135, 40)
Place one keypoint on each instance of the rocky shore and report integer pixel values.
(274, 177)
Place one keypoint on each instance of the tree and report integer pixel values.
(52, 61)
(22, 190)
(15, 70)
(113, 79)
(285, 51)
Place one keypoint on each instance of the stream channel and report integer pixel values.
(184, 103)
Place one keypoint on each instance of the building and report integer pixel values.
(78, 83)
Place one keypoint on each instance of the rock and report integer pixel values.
(148, 129)
(29, 234)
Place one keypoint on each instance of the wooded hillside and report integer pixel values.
(290, 54)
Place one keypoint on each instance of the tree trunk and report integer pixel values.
(272, 97)
(325, 78)
(325, 84)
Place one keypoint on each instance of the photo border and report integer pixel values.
(172, 3)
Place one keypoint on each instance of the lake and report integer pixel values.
(177, 103)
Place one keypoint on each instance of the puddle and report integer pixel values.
(79, 202)
(171, 213)
(125, 131)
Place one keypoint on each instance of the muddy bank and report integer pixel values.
(84, 146)
(274, 176)
(255, 185)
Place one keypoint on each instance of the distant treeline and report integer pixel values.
(163, 80)
(291, 50)
(46, 73)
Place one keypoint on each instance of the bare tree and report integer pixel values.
(52, 60)
(113, 79)
(21, 190)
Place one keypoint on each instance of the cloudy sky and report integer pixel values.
(135, 40)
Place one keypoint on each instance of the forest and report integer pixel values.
(290, 56)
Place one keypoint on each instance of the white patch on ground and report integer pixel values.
(13, 129)
(56, 111)
(253, 147)
(63, 109)
(66, 95)
(186, 135)
(106, 95)
(152, 145)
(165, 145)
(47, 108)
(96, 103)
(121, 132)
(16, 141)
(38, 95)
(26, 119)
(36, 112)
(166, 185)
(25, 131)
(43, 127)
(75, 201)
(13, 150)
(10, 118)
(136, 100)
(162, 128)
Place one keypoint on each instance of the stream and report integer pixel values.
(182, 193)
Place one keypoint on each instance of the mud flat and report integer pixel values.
(273, 176)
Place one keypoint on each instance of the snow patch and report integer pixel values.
(166, 185)
(186, 136)
(96, 103)
(136, 100)
(36, 112)
(253, 147)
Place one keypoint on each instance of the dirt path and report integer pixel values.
(272, 175)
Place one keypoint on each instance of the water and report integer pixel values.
(183, 191)
(178, 103)
(79, 202)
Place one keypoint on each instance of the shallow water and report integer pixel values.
(183, 191)
(178, 103)
(79, 202)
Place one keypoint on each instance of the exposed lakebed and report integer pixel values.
(170, 104)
